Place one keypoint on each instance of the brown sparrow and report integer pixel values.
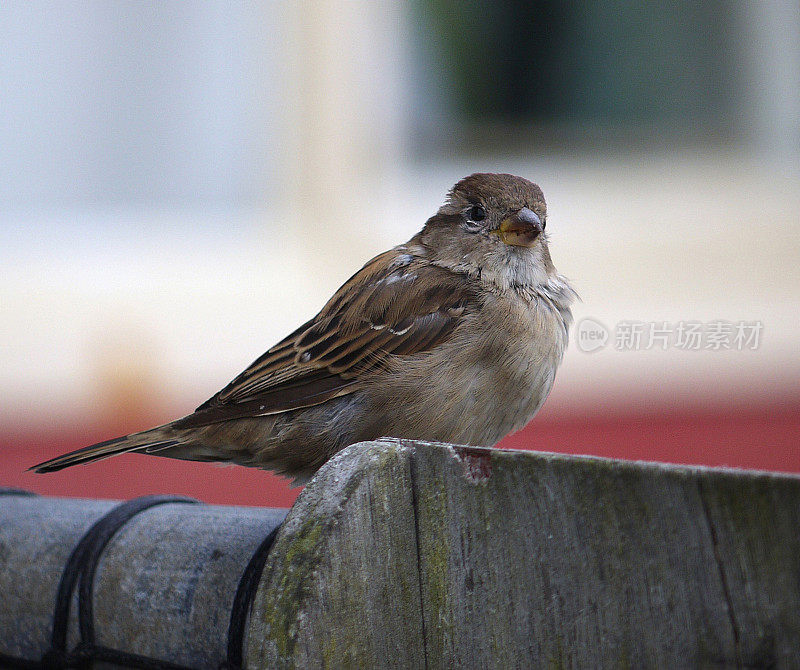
(454, 336)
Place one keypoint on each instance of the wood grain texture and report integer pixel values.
(341, 587)
(406, 554)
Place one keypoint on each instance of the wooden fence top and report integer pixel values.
(407, 554)
(415, 555)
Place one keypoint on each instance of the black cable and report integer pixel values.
(7, 661)
(89, 548)
(82, 565)
(87, 654)
(243, 601)
(80, 570)
(104, 530)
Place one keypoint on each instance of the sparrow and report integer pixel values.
(454, 336)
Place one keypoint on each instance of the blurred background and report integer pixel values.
(181, 184)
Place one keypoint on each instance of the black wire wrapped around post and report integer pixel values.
(81, 566)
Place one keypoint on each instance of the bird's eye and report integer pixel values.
(476, 213)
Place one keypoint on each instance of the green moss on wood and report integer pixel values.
(296, 576)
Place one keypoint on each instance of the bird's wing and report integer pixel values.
(395, 305)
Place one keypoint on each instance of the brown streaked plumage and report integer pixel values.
(454, 336)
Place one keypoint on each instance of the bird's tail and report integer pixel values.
(149, 441)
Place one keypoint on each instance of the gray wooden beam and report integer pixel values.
(342, 586)
(413, 555)
(531, 560)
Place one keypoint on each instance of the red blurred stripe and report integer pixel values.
(763, 438)
(766, 438)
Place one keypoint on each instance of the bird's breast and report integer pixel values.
(521, 362)
(487, 380)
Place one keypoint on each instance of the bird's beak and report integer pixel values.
(520, 229)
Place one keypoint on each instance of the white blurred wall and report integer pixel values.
(183, 183)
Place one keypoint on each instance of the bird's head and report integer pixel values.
(492, 226)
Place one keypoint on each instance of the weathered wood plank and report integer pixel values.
(410, 555)
(341, 588)
(531, 560)
(565, 562)
(754, 522)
